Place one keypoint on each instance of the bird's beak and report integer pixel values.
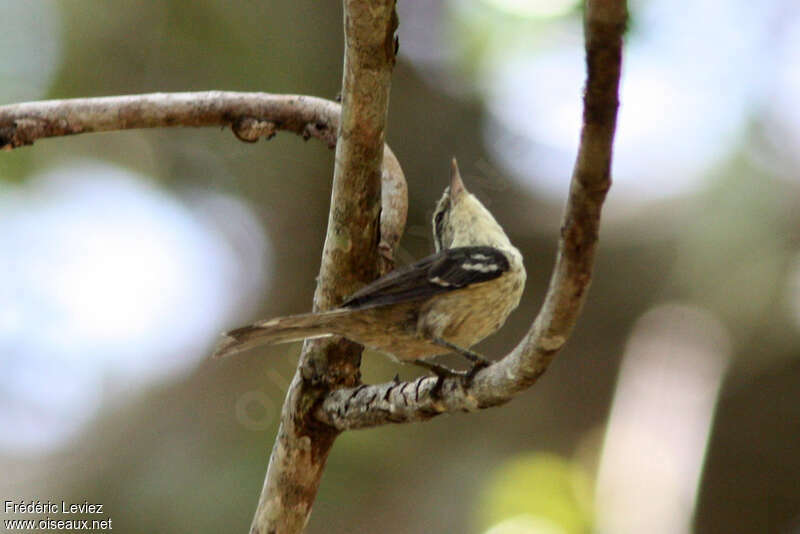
(456, 185)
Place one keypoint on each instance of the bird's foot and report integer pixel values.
(441, 372)
(477, 366)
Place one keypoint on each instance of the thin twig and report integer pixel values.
(249, 115)
(348, 262)
(380, 404)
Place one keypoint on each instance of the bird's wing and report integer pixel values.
(445, 271)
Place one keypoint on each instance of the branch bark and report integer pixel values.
(250, 115)
(402, 402)
(348, 262)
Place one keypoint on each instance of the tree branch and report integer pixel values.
(322, 400)
(348, 262)
(402, 402)
(250, 116)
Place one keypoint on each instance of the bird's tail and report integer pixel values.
(280, 330)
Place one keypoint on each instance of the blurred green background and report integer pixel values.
(673, 408)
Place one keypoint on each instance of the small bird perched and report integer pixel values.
(441, 304)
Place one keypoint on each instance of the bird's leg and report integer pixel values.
(472, 356)
(437, 369)
(441, 372)
(478, 361)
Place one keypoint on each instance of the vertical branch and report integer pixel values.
(349, 260)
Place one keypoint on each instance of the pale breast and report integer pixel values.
(463, 317)
(467, 316)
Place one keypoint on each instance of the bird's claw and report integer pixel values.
(477, 366)
(441, 373)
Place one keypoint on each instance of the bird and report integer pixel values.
(444, 303)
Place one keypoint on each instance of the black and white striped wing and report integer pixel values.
(445, 271)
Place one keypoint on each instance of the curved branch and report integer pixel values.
(403, 402)
(250, 116)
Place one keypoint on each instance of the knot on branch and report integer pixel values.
(250, 129)
(24, 131)
(321, 131)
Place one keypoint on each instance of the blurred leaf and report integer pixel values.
(539, 486)
(737, 246)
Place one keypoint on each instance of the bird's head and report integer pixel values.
(461, 220)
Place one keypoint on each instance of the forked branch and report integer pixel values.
(326, 396)
(402, 402)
